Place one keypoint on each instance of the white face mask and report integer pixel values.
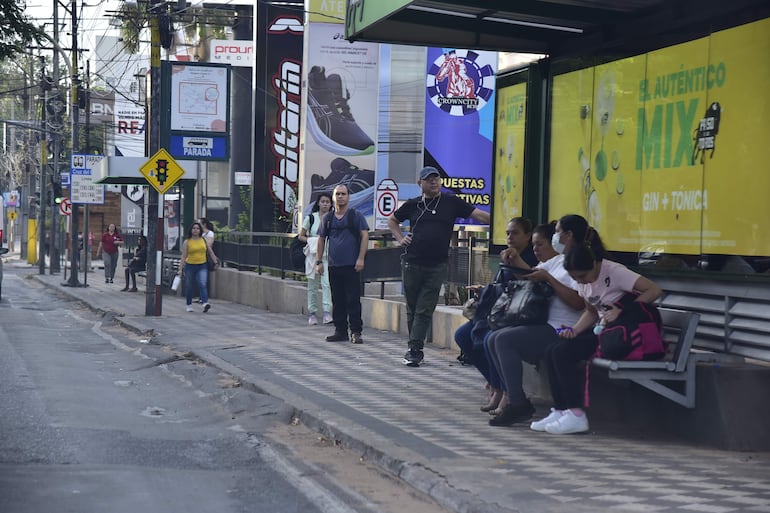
(557, 246)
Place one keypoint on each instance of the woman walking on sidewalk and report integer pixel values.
(109, 246)
(194, 261)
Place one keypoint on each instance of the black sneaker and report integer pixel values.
(355, 338)
(343, 173)
(413, 357)
(337, 337)
(512, 414)
(331, 123)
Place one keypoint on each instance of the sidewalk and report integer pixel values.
(424, 424)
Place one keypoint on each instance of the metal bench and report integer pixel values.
(679, 364)
(169, 270)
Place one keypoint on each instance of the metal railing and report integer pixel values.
(267, 252)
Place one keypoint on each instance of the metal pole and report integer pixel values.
(73, 280)
(154, 303)
(85, 208)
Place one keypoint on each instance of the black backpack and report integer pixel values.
(297, 249)
(351, 224)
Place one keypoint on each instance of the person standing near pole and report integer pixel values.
(109, 247)
(348, 234)
(424, 264)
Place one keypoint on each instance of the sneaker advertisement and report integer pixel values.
(459, 121)
(340, 116)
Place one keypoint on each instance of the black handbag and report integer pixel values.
(522, 302)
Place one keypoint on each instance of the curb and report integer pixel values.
(402, 463)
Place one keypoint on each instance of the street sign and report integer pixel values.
(65, 207)
(83, 188)
(387, 202)
(161, 171)
(12, 215)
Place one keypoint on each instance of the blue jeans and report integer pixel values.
(474, 345)
(196, 274)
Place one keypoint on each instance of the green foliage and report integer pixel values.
(18, 30)
(133, 17)
(244, 218)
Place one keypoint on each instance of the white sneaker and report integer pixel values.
(568, 423)
(189, 308)
(312, 320)
(206, 307)
(539, 425)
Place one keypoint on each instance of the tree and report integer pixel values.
(18, 30)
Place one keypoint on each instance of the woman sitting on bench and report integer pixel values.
(601, 283)
(136, 264)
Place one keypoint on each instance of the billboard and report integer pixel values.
(340, 116)
(659, 149)
(277, 86)
(510, 128)
(459, 121)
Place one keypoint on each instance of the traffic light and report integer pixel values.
(56, 194)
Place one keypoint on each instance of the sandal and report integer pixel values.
(494, 401)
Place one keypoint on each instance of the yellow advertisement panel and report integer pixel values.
(736, 152)
(571, 125)
(671, 100)
(509, 157)
(676, 140)
(326, 11)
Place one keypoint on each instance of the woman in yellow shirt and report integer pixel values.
(194, 261)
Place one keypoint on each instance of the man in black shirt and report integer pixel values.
(431, 219)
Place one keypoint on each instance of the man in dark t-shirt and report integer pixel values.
(431, 219)
(348, 240)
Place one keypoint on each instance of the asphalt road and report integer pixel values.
(94, 419)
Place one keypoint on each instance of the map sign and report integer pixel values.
(83, 188)
(199, 98)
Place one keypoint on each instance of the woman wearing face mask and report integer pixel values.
(571, 230)
(309, 234)
(508, 347)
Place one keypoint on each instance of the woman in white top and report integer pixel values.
(309, 234)
(208, 231)
(508, 347)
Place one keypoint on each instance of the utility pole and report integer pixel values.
(73, 280)
(85, 208)
(53, 248)
(154, 304)
(44, 162)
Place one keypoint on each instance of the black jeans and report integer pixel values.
(563, 372)
(345, 283)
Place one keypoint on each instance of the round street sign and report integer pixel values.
(386, 203)
(65, 207)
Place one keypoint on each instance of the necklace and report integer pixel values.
(434, 207)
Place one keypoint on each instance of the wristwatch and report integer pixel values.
(318, 262)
